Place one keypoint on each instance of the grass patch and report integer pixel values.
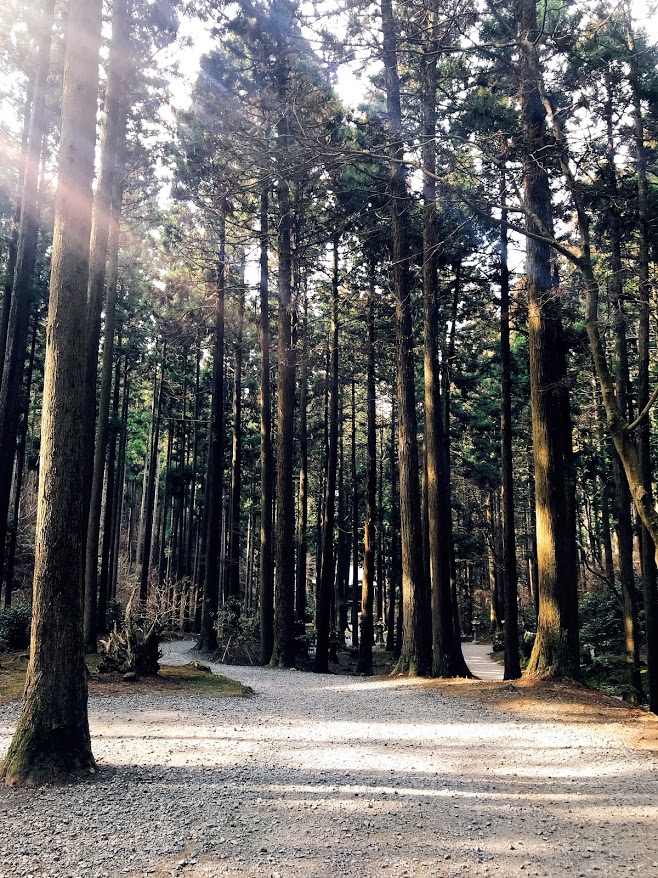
(191, 679)
(13, 666)
(188, 679)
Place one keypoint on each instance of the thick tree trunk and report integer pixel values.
(266, 573)
(326, 583)
(20, 305)
(215, 478)
(555, 652)
(52, 740)
(415, 656)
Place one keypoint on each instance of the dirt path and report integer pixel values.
(480, 662)
(321, 776)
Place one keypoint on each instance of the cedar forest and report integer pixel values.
(302, 374)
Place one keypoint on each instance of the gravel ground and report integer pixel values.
(318, 776)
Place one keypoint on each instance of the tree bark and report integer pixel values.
(19, 311)
(364, 665)
(215, 478)
(235, 530)
(415, 656)
(326, 582)
(151, 480)
(266, 453)
(302, 499)
(355, 520)
(555, 652)
(52, 740)
(512, 658)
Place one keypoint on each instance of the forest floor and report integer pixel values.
(322, 776)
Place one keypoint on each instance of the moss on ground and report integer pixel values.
(189, 679)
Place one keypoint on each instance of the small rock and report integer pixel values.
(130, 677)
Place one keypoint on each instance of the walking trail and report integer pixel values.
(480, 662)
(316, 776)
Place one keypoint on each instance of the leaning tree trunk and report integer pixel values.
(415, 656)
(555, 652)
(52, 740)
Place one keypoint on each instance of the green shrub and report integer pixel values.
(15, 627)
(115, 615)
(601, 624)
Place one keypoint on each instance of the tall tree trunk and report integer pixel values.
(326, 582)
(643, 341)
(622, 492)
(151, 479)
(12, 247)
(20, 466)
(302, 500)
(235, 530)
(364, 665)
(355, 523)
(215, 478)
(19, 312)
(444, 645)
(415, 657)
(107, 209)
(512, 658)
(110, 499)
(52, 740)
(266, 572)
(343, 546)
(555, 652)
(283, 652)
(99, 449)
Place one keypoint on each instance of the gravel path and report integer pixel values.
(477, 657)
(322, 776)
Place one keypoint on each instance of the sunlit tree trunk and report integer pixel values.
(52, 740)
(555, 652)
(20, 304)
